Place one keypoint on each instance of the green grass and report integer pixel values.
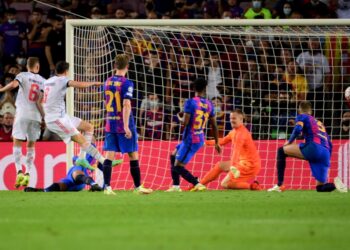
(207, 220)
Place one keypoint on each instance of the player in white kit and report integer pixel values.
(29, 115)
(64, 125)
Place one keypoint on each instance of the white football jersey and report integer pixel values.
(55, 89)
(30, 85)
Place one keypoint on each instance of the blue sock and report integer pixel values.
(135, 172)
(281, 165)
(186, 175)
(174, 175)
(328, 187)
(100, 166)
(107, 172)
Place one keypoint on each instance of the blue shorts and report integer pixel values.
(69, 181)
(318, 157)
(119, 143)
(185, 151)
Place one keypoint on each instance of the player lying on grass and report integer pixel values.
(197, 110)
(316, 149)
(29, 114)
(245, 160)
(65, 126)
(121, 134)
(76, 179)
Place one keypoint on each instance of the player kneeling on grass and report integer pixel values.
(76, 180)
(245, 160)
(316, 150)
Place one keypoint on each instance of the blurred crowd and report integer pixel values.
(264, 76)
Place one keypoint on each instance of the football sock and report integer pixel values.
(107, 172)
(83, 179)
(186, 175)
(328, 187)
(281, 165)
(53, 188)
(135, 172)
(17, 153)
(100, 166)
(30, 159)
(91, 150)
(174, 175)
(88, 136)
(212, 174)
(238, 185)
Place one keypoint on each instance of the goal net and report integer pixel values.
(261, 67)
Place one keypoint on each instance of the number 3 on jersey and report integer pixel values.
(201, 119)
(33, 95)
(113, 96)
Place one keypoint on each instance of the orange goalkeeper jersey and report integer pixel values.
(243, 146)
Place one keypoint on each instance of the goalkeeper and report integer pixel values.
(76, 179)
(245, 161)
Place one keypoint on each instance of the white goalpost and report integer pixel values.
(263, 67)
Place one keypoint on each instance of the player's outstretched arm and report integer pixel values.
(222, 141)
(214, 129)
(77, 84)
(10, 86)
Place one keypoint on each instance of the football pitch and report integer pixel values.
(205, 220)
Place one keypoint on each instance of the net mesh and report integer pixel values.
(264, 71)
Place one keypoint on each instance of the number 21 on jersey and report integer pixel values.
(110, 97)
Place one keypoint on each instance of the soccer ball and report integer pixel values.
(347, 93)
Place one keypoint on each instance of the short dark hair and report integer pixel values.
(62, 67)
(32, 61)
(121, 61)
(200, 84)
(305, 106)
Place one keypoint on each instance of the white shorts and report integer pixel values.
(25, 129)
(65, 127)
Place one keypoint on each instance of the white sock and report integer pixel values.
(17, 153)
(91, 150)
(88, 136)
(30, 159)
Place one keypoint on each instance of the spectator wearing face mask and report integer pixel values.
(150, 102)
(257, 11)
(12, 33)
(343, 9)
(297, 5)
(287, 11)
